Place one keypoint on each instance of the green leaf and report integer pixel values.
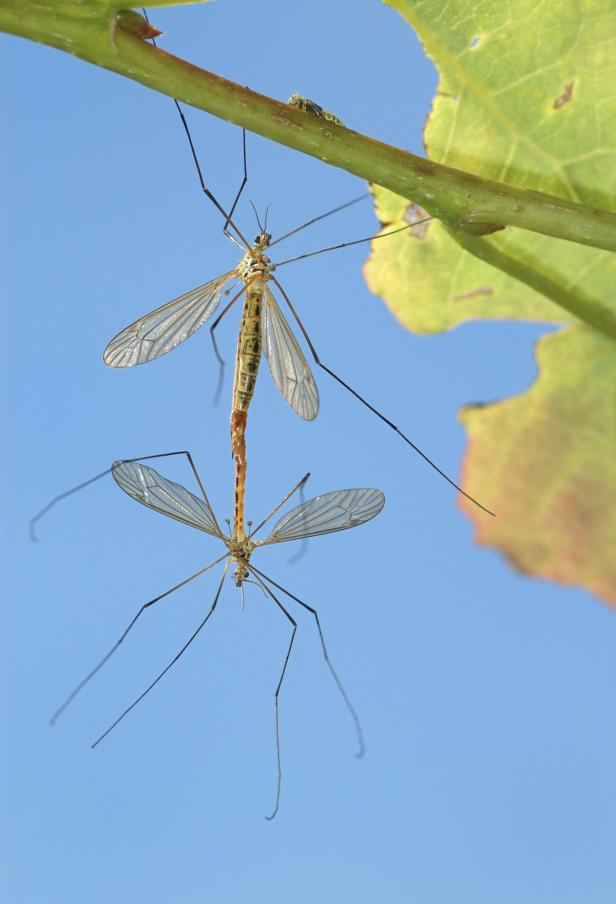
(530, 103)
(557, 505)
(432, 285)
(525, 96)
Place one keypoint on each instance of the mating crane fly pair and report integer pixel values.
(157, 334)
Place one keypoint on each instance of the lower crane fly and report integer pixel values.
(325, 514)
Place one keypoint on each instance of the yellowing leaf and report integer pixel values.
(546, 460)
(525, 97)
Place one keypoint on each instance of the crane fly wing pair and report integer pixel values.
(288, 366)
(324, 514)
(150, 488)
(163, 329)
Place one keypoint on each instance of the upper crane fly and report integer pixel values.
(157, 333)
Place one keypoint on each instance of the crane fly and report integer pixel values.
(162, 330)
(324, 514)
(263, 328)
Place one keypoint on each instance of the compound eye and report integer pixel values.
(268, 236)
(257, 240)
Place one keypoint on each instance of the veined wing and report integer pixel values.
(161, 330)
(325, 514)
(152, 489)
(286, 361)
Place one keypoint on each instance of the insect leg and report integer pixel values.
(131, 624)
(298, 486)
(361, 747)
(204, 188)
(371, 407)
(290, 618)
(241, 188)
(167, 667)
(219, 358)
(303, 545)
(85, 483)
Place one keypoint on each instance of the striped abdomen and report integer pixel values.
(247, 360)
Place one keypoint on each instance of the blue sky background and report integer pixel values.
(486, 698)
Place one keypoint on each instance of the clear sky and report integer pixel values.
(486, 698)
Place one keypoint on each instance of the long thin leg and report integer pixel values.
(122, 637)
(166, 669)
(204, 188)
(219, 358)
(371, 407)
(361, 747)
(269, 593)
(59, 498)
(298, 486)
(303, 545)
(370, 238)
(322, 216)
(241, 188)
(85, 483)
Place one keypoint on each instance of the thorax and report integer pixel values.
(255, 267)
(240, 549)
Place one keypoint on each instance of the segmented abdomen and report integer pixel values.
(247, 360)
(248, 354)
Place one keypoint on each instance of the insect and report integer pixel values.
(309, 106)
(162, 330)
(325, 514)
(263, 326)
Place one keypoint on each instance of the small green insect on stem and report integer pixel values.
(96, 31)
(310, 106)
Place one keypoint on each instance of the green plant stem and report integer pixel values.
(532, 273)
(96, 32)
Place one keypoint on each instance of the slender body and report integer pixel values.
(253, 270)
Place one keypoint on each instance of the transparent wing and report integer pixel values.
(157, 333)
(286, 361)
(152, 489)
(326, 514)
